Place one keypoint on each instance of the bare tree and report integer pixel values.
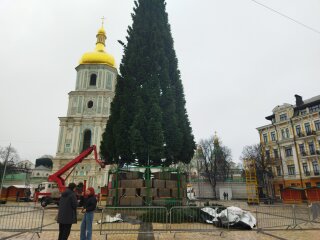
(254, 152)
(8, 158)
(264, 175)
(216, 160)
(13, 154)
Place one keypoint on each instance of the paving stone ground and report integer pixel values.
(232, 235)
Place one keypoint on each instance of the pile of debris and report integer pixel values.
(231, 216)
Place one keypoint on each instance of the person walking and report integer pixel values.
(67, 213)
(90, 204)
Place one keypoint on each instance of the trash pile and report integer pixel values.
(110, 219)
(234, 216)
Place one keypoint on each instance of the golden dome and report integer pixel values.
(98, 56)
(101, 31)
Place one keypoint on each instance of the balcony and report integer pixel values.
(312, 152)
(299, 135)
(291, 175)
(318, 152)
(307, 173)
(304, 154)
(310, 133)
(316, 173)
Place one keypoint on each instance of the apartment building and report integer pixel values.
(291, 144)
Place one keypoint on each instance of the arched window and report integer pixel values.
(86, 139)
(90, 104)
(93, 79)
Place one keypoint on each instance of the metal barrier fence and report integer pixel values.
(145, 220)
(302, 215)
(274, 217)
(193, 219)
(315, 212)
(115, 220)
(177, 219)
(21, 219)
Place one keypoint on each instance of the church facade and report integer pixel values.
(88, 113)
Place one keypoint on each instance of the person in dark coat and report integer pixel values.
(90, 204)
(67, 214)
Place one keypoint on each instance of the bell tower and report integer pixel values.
(88, 113)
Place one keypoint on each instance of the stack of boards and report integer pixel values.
(133, 190)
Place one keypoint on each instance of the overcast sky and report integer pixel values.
(238, 60)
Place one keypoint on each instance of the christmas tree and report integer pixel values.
(149, 123)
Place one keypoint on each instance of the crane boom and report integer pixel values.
(57, 176)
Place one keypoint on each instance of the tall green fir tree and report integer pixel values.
(149, 123)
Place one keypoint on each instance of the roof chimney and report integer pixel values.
(299, 100)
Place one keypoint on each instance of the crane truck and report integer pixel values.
(50, 191)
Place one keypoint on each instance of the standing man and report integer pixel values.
(67, 214)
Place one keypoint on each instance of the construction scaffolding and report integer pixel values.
(251, 181)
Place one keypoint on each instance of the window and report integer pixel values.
(318, 184)
(311, 148)
(278, 171)
(315, 167)
(281, 187)
(308, 184)
(268, 154)
(287, 133)
(305, 167)
(276, 153)
(67, 147)
(301, 148)
(303, 112)
(283, 134)
(109, 81)
(317, 125)
(314, 108)
(86, 139)
(265, 137)
(288, 152)
(307, 128)
(298, 130)
(291, 170)
(273, 136)
(90, 104)
(283, 117)
(93, 79)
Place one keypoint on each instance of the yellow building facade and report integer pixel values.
(291, 144)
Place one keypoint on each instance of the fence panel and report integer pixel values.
(315, 212)
(192, 219)
(275, 217)
(302, 214)
(122, 220)
(21, 219)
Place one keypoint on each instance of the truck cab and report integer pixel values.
(50, 193)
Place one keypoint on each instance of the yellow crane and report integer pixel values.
(251, 181)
